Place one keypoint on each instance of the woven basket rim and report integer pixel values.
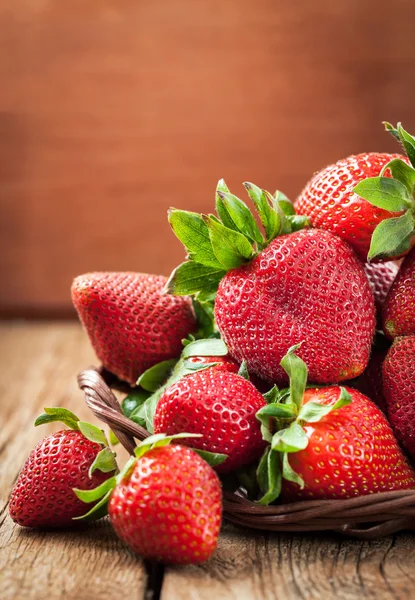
(365, 517)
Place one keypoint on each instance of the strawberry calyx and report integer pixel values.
(393, 237)
(101, 494)
(231, 238)
(283, 422)
(105, 458)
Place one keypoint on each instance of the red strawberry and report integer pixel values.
(308, 286)
(334, 443)
(399, 389)
(275, 292)
(131, 323)
(43, 494)
(370, 381)
(398, 314)
(224, 363)
(219, 405)
(381, 277)
(330, 203)
(168, 506)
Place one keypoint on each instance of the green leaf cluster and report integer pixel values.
(282, 426)
(217, 243)
(393, 237)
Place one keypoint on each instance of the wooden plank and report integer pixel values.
(291, 567)
(113, 110)
(39, 367)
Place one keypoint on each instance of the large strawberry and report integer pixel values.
(399, 389)
(166, 504)
(330, 442)
(330, 202)
(72, 458)
(132, 325)
(398, 313)
(219, 405)
(292, 286)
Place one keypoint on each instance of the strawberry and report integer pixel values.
(43, 494)
(131, 324)
(219, 363)
(381, 276)
(399, 389)
(330, 202)
(398, 313)
(274, 292)
(166, 503)
(332, 442)
(219, 405)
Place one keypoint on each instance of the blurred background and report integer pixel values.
(113, 110)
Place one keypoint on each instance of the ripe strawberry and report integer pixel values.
(381, 277)
(398, 314)
(399, 389)
(219, 405)
(338, 444)
(304, 285)
(329, 201)
(223, 363)
(131, 324)
(43, 494)
(168, 506)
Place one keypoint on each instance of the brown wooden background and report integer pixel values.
(113, 110)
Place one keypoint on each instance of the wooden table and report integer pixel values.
(39, 363)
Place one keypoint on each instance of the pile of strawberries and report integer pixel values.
(235, 364)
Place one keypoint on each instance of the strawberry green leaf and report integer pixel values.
(133, 401)
(62, 415)
(231, 248)
(98, 511)
(384, 192)
(243, 370)
(210, 347)
(221, 208)
(271, 395)
(98, 492)
(297, 222)
(312, 412)
(401, 172)
(285, 205)
(297, 371)
(408, 142)
(192, 231)
(155, 376)
(161, 439)
(241, 216)
(289, 474)
(292, 439)
(212, 458)
(392, 130)
(113, 438)
(104, 461)
(92, 433)
(205, 318)
(192, 277)
(269, 476)
(274, 411)
(270, 219)
(392, 237)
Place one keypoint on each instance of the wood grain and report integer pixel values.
(39, 363)
(113, 110)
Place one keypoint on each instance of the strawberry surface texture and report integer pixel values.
(169, 507)
(131, 323)
(398, 313)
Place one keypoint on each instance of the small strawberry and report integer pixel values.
(219, 405)
(78, 457)
(278, 291)
(131, 324)
(221, 363)
(398, 313)
(331, 442)
(166, 504)
(329, 199)
(399, 389)
(381, 276)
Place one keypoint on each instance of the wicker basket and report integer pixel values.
(365, 517)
